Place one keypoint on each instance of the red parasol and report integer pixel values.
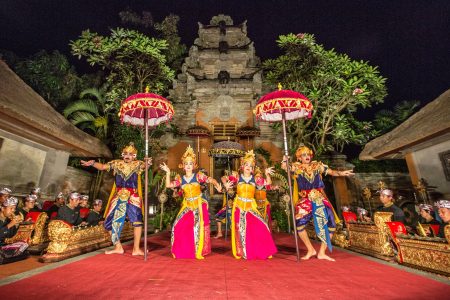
(284, 105)
(146, 109)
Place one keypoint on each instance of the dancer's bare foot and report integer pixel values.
(219, 235)
(138, 252)
(116, 250)
(309, 255)
(326, 257)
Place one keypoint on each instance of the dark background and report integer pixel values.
(409, 40)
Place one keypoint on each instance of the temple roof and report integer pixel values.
(428, 126)
(25, 113)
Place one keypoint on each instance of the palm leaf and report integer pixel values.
(81, 106)
(94, 92)
(81, 117)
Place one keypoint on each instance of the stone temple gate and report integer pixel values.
(216, 91)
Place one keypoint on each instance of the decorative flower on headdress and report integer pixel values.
(188, 155)
(303, 149)
(258, 172)
(248, 157)
(130, 149)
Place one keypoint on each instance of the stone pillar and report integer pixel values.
(53, 172)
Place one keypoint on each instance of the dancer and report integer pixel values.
(250, 235)
(126, 197)
(262, 186)
(223, 216)
(190, 231)
(311, 201)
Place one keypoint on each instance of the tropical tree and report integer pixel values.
(167, 29)
(386, 119)
(337, 85)
(51, 76)
(92, 112)
(130, 59)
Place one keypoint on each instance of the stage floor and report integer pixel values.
(220, 276)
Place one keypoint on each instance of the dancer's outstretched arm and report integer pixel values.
(166, 169)
(93, 163)
(340, 173)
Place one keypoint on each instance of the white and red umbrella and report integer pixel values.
(279, 106)
(146, 110)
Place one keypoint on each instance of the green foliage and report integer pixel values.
(51, 76)
(337, 87)
(264, 153)
(130, 59)
(167, 219)
(168, 30)
(385, 120)
(282, 219)
(91, 113)
(380, 166)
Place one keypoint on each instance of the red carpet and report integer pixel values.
(220, 276)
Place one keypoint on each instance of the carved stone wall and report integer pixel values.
(223, 50)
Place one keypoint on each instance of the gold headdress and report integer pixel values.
(303, 149)
(189, 155)
(258, 172)
(130, 149)
(248, 157)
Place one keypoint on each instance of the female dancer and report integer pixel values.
(190, 231)
(250, 235)
(262, 186)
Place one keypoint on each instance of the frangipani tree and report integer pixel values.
(337, 86)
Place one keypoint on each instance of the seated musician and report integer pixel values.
(29, 205)
(5, 193)
(69, 212)
(37, 193)
(427, 214)
(57, 204)
(9, 224)
(387, 199)
(444, 213)
(94, 217)
(84, 201)
(363, 215)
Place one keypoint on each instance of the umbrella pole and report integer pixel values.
(146, 185)
(198, 150)
(288, 169)
(226, 203)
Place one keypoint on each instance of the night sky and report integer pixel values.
(409, 40)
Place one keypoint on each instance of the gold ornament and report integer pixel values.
(188, 155)
(248, 157)
(301, 150)
(130, 149)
